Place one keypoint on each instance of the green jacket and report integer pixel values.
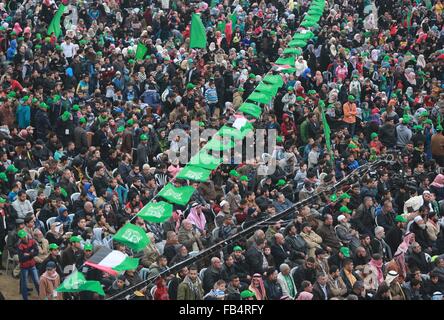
(304, 131)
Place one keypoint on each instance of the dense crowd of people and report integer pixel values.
(84, 146)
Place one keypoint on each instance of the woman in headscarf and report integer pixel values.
(257, 286)
(437, 187)
(90, 192)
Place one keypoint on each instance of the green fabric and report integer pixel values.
(198, 35)
(76, 282)
(54, 25)
(292, 51)
(267, 89)
(251, 109)
(274, 80)
(132, 236)
(141, 51)
(194, 173)
(156, 212)
(127, 264)
(180, 195)
(286, 61)
(232, 132)
(219, 145)
(259, 97)
(297, 43)
(204, 160)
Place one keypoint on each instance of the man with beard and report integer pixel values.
(380, 246)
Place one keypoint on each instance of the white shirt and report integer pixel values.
(68, 49)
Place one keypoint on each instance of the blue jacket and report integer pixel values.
(23, 116)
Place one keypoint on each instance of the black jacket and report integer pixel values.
(273, 290)
(280, 254)
(394, 238)
(318, 294)
(297, 247)
(255, 260)
(301, 274)
(421, 236)
(418, 260)
(211, 276)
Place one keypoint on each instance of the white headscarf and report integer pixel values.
(421, 61)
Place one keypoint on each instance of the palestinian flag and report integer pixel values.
(281, 68)
(112, 261)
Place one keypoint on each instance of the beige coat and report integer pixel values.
(433, 230)
(47, 286)
(313, 242)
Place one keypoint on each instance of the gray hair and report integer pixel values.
(379, 229)
(284, 267)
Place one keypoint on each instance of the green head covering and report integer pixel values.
(406, 119)
(344, 209)
(82, 120)
(244, 178)
(99, 53)
(345, 251)
(252, 76)
(439, 127)
(75, 239)
(66, 116)
(12, 168)
(53, 246)
(352, 146)
(290, 88)
(247, 294)
(394, 96)
(299, 98)
(56, 98)
(234, 173)
(373, 135)
(25, 98)
(143, 137)
(237, 248)
(58, 48)
(400, 218)
(130, 122)
(3, 177)
(38, 46)
(131, 61)
(345, 195)
(279, 139)
(280, 183)
(34, 100)
(428, 121)
(310, 92)
(418, 127)
(22, 234)
(12, 94)
(241, 90)
(424, 114)
(38, 36)
(120, 129)
(2, 200)
(88, 247)
(334, 198)
(48, 39)
(44, 106)
(351, 97)
(20, 39)
(190, 86)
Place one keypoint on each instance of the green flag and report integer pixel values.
(198, 35)
(227, 131)
(327, 132)
(156, 212)
(76, 282)
(194, 173)
(259, 97)
(251, 109)
(286, 61)
(297, 43)
(409, 19)
(204, 160)
(54, 25)
(221, 26)
(267, 89)
(292, 51)
(274, 79)
(141, 51)
(219, 145)
(180, 195)
(127, 264)
(233, 18)
(132, 236)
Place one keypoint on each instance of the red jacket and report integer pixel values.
(26, 253)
